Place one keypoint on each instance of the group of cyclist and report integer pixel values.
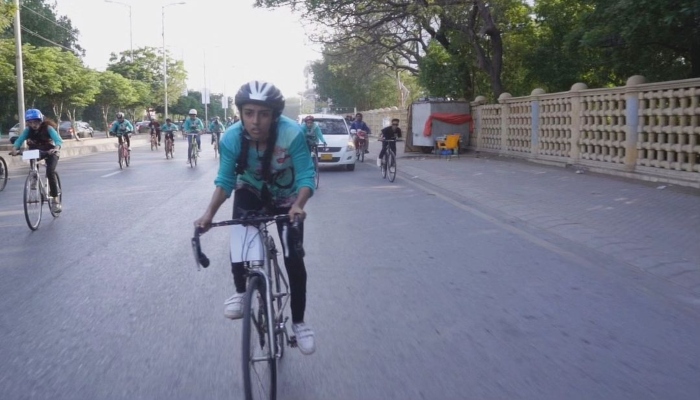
(265, 164)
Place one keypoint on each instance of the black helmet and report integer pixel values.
(262, 93)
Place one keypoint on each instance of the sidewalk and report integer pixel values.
(654, 227)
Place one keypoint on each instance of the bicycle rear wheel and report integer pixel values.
(32, 201)
(259, 361)
(60, 196)
(3, 174)
(391, 167)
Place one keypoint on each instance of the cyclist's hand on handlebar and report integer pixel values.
(296, 213)
(203, 223)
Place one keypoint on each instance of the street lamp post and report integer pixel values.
(165, 57)
(131, 27)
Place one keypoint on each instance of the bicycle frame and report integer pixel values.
(261, 264)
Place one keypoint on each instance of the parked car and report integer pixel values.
(14, 131)
(142, 127)
(84, 129)
(65, 130)
(340, 150)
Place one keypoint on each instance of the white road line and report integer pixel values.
(108, 175)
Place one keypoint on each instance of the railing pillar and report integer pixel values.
(535, 109)
(476, 105)
(576, 109)
(505, 112)
(632, 120)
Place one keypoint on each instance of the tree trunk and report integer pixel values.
(105, 112)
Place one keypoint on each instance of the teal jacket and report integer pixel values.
(292, 167)
(313, 135)
(121, 128)
(216, 126)
(57, 141)
(168, 127)
(193, 126)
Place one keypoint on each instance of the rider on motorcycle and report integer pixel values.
(360, 125)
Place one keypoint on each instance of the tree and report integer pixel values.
(72, 84)
(42, 26)
(6, 11)
(398, 31)
(115, 92)
(147, 67)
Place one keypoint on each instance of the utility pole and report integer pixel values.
(19, 69)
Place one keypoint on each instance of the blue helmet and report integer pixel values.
(33, 113)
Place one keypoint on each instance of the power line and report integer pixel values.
(48, 40)
(48, 19)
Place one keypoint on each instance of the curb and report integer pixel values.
(73, 150)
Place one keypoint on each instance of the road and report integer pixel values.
(411, 295)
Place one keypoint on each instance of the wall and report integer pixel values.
(647, 131)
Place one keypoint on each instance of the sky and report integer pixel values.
(235, 41)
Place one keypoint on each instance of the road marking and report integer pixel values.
(8, 213)
(108, 175)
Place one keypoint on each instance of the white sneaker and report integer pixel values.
(57, 207)
(233, 306)
(305, 338)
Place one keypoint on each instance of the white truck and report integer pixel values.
(422, 109)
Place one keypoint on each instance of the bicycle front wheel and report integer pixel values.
(127, 157)
(259, 361)
(32, 201)
(391, 167)
(60, 196)
(120, 154)
(3, 173)
(383, 167)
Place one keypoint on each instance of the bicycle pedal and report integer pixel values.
(292, 341)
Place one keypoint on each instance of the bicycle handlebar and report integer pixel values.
(203, 260)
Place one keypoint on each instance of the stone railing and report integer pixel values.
(380, 118)
(645, 131)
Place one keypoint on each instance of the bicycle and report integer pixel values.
(267, 295)
(36, 190)
(168, 147)
(313, 148)
(154, 142)
(124, 154)
(215, 139)
(194, 149)
(3, 174)
(361, 144)
(388, 164)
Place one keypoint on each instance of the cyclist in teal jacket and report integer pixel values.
(216, 127)
(312, 132)
(122, 127)
(41, 135)
(193, 126)
(266, 161)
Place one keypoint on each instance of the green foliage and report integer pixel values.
(39, 18)
(147, 67)
(443, 74)
(6, 12)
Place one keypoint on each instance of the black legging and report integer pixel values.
(51, 163)
(126, 137)
(244, 199)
